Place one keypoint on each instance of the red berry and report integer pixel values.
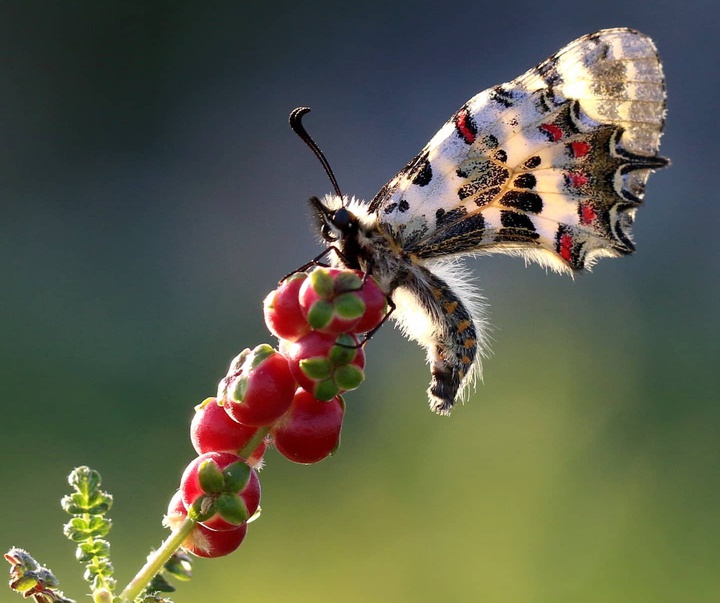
(260, 390)
(376, 305)
(212, 430)
(220, 490)
(330, 302)
(216, 544)
(310, 430)
(283, 316)
(326, 365)
(204, 542)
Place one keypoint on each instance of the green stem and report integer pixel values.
(156, 561)
(254, 442)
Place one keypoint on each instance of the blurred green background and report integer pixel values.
(152, 194)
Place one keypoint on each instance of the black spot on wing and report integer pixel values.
(485, 175)
(516, 227)
(420, 171)
(443, 217)
(491, 141)
(470, 189)
(523, 200)
(487, 196)
(500, 155)
(502, 96)
(549, 72)
(525, 181)
(403, 206)
(533, 162)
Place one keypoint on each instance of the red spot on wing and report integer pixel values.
(580, 148)
(554, 131)
(577, 179)
(587, 214)
(565, 247)
(465, 127)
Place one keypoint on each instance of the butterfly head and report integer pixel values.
(335, 224)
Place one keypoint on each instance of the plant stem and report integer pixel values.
(156, 561)
(254, 442)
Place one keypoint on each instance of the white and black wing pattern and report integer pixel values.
(550, 166)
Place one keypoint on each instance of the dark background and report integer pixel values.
(152, 194)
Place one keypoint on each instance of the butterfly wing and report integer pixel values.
(550, 166)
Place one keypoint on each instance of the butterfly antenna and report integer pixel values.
(296, 124)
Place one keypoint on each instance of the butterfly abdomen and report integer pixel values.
(433, 313)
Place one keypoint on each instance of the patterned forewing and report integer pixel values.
(550, 166)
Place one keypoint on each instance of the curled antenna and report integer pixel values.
(296, 116)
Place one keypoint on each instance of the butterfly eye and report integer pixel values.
(341, 219)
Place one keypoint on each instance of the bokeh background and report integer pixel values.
(152, 194)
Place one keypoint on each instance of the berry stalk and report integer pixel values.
(156, 561)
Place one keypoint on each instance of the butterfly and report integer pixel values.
(550, 167)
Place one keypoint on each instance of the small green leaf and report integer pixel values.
(260, 354)
(80, 528)
(78, 503)
(344, 350)
(97, 547)
(320, 314)
(322, 283)
(160, 584)
(348, 377)
(179, 566)
(84, 479)
(316, 368)
(236, 475)
(238, 388)
(232, 508)
(326, 390)
(202, 509)
(347, 281)
(349, 306)
(210, 477)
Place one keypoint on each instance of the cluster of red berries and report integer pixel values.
(288, 398)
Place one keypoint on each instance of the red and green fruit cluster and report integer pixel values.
(288, 398)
